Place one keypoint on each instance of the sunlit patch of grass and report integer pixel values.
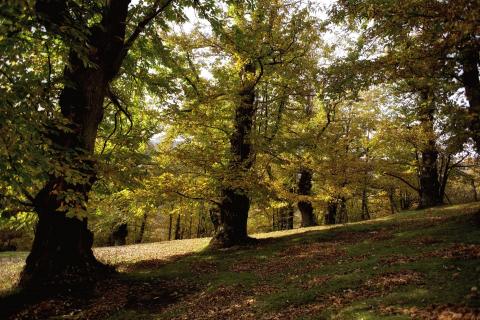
(11, 264)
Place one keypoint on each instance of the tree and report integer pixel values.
(441, 37)
(97, 38)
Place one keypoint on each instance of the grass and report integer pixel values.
(413, 265)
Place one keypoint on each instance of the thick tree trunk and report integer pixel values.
(331, 214)
(232, 229)
(471, 82)
(429, 189)
(305, 206)
(290, 215)
(119, 235)
(141, 233)
(178, 229)
(61, 252)
(235, 202)
(57, 253)
(342, 212)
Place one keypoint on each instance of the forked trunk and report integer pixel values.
(305, 206)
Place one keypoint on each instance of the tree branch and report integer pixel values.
(403, 180)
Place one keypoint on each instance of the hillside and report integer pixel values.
(414, 265)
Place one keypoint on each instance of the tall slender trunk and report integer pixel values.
(470, 78)
(305, 206)
(190, 226)
(274, 220)
(474, 189)
(444, 178)
(235, 202)
(391, 199)
(365, 212)
(170, 223)
(405, 200)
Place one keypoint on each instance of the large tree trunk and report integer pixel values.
(429, 190)
(178, 229)
(290, 216)
(471, 82)
(61, 253)
(235, 202)
(342, 216)
(331, 214)
(119, 235)
(305, 206)
(141, 233)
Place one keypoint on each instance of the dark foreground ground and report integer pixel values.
(415, 265)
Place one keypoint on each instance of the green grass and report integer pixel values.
(407, 266)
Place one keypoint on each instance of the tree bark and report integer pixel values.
(470, 78)
(474, 189)
(305, 206)
(61, 252)
(290, 216)
(119, 235)
(429, 190)
(170, 223)
(331, 214)
(235, 202)
(141, 233)
(391, 198)
(178, 229)
(405, 201)
(284, 218)
(342, 213)
(365, 211)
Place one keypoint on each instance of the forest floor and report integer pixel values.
(413, 265)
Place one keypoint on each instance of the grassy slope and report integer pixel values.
(423, 264)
